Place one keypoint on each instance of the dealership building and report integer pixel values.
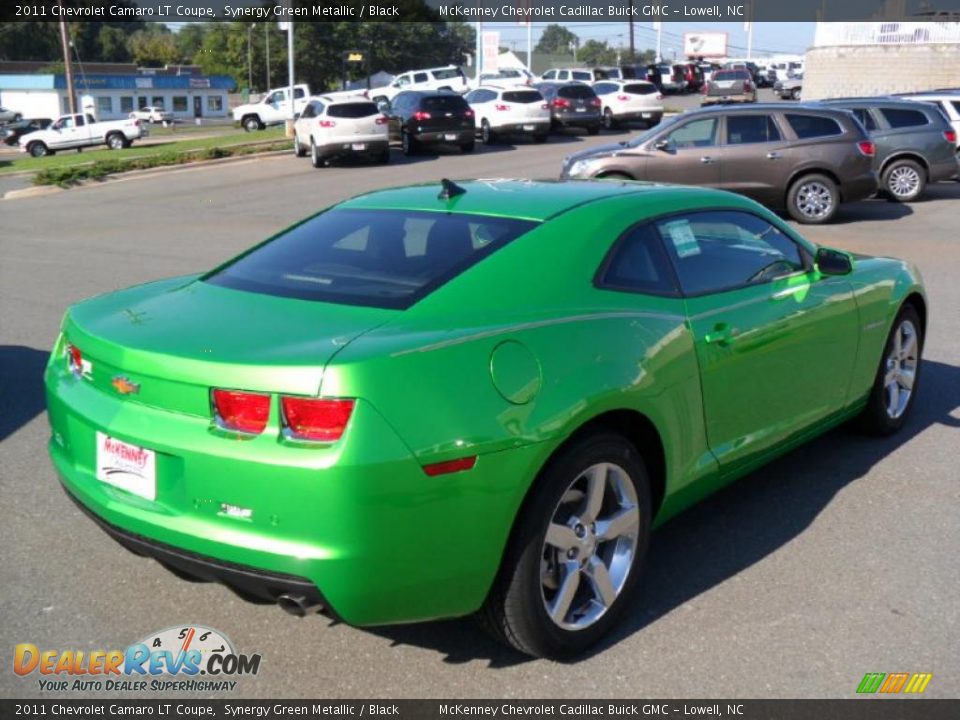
(111, 96)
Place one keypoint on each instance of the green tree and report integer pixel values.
(153, 48)
(112, 43)
(189, 40)
(555, 39)
(29, 41)
(597, 52)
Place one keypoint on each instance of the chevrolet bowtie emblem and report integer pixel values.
(123, 385)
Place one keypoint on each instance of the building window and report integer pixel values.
(141, 103)
(215, 103)
(179, 103)
(104, 106)
(126, 104)
(158, 101)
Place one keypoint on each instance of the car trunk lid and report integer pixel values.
(167, 344)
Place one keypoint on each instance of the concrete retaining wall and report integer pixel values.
(854, 71)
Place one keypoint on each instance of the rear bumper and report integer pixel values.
(651, 115)
(535, 125)
(575, 119)
(360, 146)
(454, 137)
(358, 521)
(946, 170)
(738, 98)
(859, 188)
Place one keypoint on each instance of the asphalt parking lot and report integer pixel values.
(837, 560)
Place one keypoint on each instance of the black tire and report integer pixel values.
(408, 144)
(904, 180)
(38, 149)
(802, 205)
(115, 141)
(795, 94)
(468, 147)
(515, 611)
(609, 121)
(487, 136)
(876, 418)
(252, 123)
(298, 149)
(315, 159)
(614, 176)
(384, 157)
(593, 130)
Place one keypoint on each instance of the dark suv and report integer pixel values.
(915, 143)
(807, 160)
(572, 105)
(425, 117)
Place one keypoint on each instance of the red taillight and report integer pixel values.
(74, 359)
(545, 106)
(136, 123)
(561, 103)
(950, 136)
(501, 107)
(328, 123)
(747, 87)
(450, 466)
(421, 115)
(244, 412)
(469, 113)
(623, 98)
(595, 102)
(318, 419)
(867, 148)
(382, 120)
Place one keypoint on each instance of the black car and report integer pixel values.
(431, 117)
(572, 105)
(12, 132)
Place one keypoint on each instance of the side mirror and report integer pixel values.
(834, 262)
(664, 145)
(296, 116)
(383, 106)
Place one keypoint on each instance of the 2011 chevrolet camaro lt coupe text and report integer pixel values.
(441, 400)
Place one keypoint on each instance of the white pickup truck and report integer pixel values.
(79, 131)
(274, 109)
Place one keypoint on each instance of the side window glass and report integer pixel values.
(744, 129)
(813, 126)
(420, 78)
(865, 117)
(698, 133)
(639, 264)
(900, 118)
(723, 250)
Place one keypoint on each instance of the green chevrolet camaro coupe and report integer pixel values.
(441, 400)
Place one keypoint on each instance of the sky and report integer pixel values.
(768, 37)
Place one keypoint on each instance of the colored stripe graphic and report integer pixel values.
(918, 683)
(894, 682)
(871, 682)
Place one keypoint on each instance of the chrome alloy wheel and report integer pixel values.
(901, 369)
(904, 181)
(589, 547)
(814, 199)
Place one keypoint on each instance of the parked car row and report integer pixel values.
(807, 159)
(11, 133)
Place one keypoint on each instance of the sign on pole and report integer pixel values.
(491, 51)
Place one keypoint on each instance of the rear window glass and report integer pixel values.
(731, 75)
(744, 129)
(812, 126)
(523, 96)
(899, 118)
(449, 103)
(640, 88)
(380, 258)
(353, 110)
(956, 105)
(576, 91)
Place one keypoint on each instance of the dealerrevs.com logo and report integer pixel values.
(189, 658)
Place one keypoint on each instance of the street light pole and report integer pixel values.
(68, 69)
(250, 58)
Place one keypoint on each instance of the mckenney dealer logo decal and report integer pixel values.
(191, 658)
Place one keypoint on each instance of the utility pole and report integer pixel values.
(267, 28)
(293, 103)
(632, 46)
(250, 58)
(68, 69)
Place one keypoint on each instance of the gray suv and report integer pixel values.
(915, 143)
(807, 160)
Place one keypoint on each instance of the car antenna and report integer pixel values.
(450, 190)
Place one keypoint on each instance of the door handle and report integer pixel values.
(774, 155)
(706, 160)
(722, 334)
